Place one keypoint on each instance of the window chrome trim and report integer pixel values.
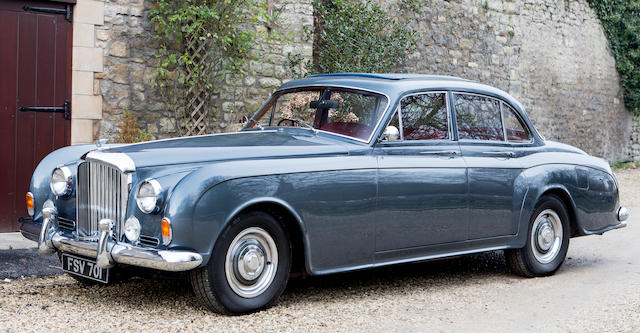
(448, 109)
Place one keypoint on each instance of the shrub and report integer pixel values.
(356, 36)
(129, 129)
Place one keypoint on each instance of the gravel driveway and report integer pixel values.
(597, 290)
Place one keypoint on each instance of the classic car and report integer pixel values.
(334, 173)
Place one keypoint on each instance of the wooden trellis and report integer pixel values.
(196, 120)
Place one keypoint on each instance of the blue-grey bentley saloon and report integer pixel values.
(333, 173)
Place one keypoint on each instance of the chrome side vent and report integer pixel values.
(149, 241)
(102, 193)
(66, 224)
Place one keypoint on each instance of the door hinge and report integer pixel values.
(67, 12)
(66, 108)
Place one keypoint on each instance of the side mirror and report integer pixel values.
(244, 120)
(391, 133)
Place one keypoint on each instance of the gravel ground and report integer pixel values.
(27, 263)
(597, 290)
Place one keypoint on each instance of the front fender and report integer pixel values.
(39, 186)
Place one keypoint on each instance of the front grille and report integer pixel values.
(66, 224)
(102, 193)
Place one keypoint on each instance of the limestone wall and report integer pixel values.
(550, 54)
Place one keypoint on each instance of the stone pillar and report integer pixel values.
(86, 104)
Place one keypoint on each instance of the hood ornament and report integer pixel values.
(101, 142)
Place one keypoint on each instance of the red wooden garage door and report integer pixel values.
(35, 83)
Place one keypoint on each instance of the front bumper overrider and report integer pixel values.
(109, 252)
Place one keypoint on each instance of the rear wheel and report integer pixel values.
(249, 266)
(547, 240)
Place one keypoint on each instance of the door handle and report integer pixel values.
(440, 152)
(500, 153)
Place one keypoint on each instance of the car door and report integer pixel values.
(421, 178)
(492, 168)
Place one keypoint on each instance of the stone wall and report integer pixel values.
(550, 54)
(129, 67)
(635, 139)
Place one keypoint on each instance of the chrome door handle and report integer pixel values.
(500, 153)
(440, 152)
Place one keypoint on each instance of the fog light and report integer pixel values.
(132, 229)
(30, 204)
(166, 231)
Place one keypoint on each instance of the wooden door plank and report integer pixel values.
(8, 75)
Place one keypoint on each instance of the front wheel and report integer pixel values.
(547, 240)
(249, 266)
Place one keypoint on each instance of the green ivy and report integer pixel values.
(621, 22)
(356, 36)
(225, 33)
(216, 23)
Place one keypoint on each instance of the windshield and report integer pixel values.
(348, 112)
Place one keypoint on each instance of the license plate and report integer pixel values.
(85, 268)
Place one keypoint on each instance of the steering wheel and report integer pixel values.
(292, 120)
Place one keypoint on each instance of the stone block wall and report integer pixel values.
(552, 55)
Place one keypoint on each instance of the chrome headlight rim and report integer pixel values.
(65, 174)
(149, 204)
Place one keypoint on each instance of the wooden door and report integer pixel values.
(35, 73)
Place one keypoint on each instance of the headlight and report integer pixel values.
(132, 229)
(147, 196)
(61, 179)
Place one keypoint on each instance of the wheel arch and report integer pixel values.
(292, 223)
(564, 196)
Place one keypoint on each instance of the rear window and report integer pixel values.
(478, 117)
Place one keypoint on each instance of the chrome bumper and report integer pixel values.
(109, 252)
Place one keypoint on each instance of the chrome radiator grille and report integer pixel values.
(102, 193)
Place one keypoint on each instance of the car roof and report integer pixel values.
(396, 84)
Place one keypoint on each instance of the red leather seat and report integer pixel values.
(356, 130)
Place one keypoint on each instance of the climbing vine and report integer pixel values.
(201, 43)
(357, 36)
(621, 22)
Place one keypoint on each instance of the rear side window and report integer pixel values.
(478, 118)
(515, 128)
(424, 117)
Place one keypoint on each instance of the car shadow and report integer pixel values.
(379, 282)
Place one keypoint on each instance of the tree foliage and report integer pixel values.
(621, 22)
(356, 36)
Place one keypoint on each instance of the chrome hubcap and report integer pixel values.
(251, 262)
(546, 236)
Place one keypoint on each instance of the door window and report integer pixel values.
(424, 117)
(515, 128)
(478, 118)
